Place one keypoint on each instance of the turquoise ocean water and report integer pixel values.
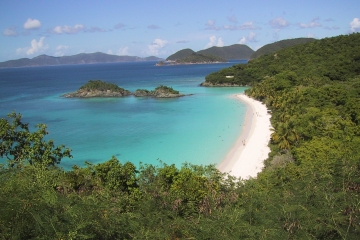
(199, 129)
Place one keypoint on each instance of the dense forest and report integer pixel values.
(276, 46)
(326, 59)
(159, 92)
(101, 86)
(309, 188)
(236, 51)
(200, 58)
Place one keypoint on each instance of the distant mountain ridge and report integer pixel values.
(82, 58)
(236, 51)
(273, 47)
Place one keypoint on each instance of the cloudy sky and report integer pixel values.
(162, 27)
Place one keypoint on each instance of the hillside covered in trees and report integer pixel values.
(276, 46)
(236, 51)
(328, 59)
(309, 188)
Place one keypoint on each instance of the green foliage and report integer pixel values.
(236, 51)
(200, 58)
(20, 146)
(160, 91)
(165, 89)
(273, 47)
(325, 60)
(180, 54)
(309, 189)
(101, 86)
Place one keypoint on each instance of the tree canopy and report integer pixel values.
(309, 188)
(276, 46)
(329, 59)
(101, 86)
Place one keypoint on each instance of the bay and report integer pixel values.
(198, 129)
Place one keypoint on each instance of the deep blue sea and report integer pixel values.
(198, 129)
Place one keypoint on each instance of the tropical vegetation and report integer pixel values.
(276, 46)
(235, 51)
(159, 92)
(99, 85)
(200, 58)
(309, 188)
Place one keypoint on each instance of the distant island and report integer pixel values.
(210, 55)
(82, 58)
(101, 89)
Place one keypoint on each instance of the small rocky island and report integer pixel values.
(159, 92)
(98, 88)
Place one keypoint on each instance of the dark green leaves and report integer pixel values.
(20, 146)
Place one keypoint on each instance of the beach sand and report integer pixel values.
(246, 158)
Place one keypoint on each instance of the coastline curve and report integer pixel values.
(246, 157)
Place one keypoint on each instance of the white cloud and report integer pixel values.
(355, 25)
(10, 32)
(242, 40)
(36, 46)
(247, 26)
(220, 43)
(32, 24)
(123, 51)
(60, 50)
(279, 23)
(110, 52)
(156, 46)
(314, 23)
(68, 29)
(213, 41)
(210, 25)
(250, 38)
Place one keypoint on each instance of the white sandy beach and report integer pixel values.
(246, 158)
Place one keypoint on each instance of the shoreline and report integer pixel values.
(246, 157)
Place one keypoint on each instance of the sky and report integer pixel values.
(162, 27)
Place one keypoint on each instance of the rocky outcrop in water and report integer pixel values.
(159, 92)
(96, 93)
(98, 88)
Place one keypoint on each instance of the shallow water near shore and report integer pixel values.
(198, 129)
